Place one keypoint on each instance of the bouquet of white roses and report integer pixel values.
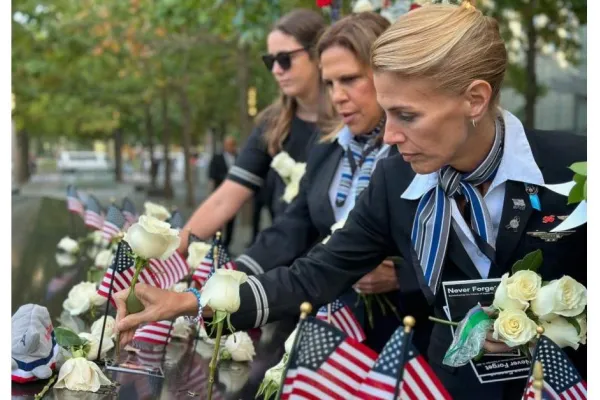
(522, 303)
(291, 172)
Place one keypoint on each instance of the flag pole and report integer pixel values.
(110, 288)
(305, 310)
(409, 323)
(538, 380)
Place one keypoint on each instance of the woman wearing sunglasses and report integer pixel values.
(289, 124)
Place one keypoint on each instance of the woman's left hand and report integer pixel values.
(381, 280)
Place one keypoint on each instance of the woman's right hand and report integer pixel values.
(159, 304)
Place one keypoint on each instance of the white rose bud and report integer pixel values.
(181, 328)
(289, 342)
(157, 211)
(104, 259)
(68, 245)
(503, 301)
(81, 375)
(363, 6)
(298, 171)
(222, 291)
(561, 332)
(291, 191)
(196, 253)
(240, 347)
(514, 328)
(109, 329)
(151, 238)
(94, 343)
(564, 296)
(65, 260)
(283, 164)
(81, 297)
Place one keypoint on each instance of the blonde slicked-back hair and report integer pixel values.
(450, 46)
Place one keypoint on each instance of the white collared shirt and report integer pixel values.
(517, 164)
(341, 213)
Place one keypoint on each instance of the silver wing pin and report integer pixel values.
(550, 236)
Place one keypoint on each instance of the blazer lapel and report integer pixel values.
(513, 224)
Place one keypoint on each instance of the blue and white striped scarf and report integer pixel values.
(363, 150)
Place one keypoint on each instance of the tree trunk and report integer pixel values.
(531, 88)
(150, 143)
(168, 189)
(23, 172)
(118, 140)
(243, 79)
(187, 144)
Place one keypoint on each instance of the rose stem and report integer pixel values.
(139, 265)
(41, 394)
(443, 321)
(215, 357)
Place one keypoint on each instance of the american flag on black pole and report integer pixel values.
(113, 223)
(342, 318)
(162, 274)
(325, 363)
(419, 382)
(74, 203)
(561, 379)
(129, 211)
(93, 213)
(205, 269)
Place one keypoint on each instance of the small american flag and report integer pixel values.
(344, 319)
(419, 382)
(176, 220)
(325, 364)
(561, 379)
(155, 333)
(206, 268)
(93, 213)
(129, 211)
(162, 274)
(74, 203)
(113, 223)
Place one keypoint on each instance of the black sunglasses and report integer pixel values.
(283, 58)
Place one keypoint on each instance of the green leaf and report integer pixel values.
(576, 194)
(67, 338)
(574, 322)
(531, 262)
(579, 168)
(585, 190)
(579, 178)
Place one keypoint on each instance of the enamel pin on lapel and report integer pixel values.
(518, 204)
(548, 219)
(550, 236)
(514, 223)
(532, 191)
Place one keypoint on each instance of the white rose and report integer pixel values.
(289, 342)
(81, 297)
(564, 296)
(561, 332)
(181, 328)
(65, 259)
(240, 347)
(283, 164)
(68, 245)
(503, 301)
(298, 172)
(157, 211)
(274, 374)
(104, 259)
(291, 191)
(109, 329)
(524, 286)
(98, 238)
(82, 375)
(93, 343)
(582, 321)
(151, 238)
(514, 328)
(363, 6)
(196, 253)
(222, 291)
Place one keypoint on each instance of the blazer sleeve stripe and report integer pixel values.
(262, 305)
(251, 264)
(245, 176)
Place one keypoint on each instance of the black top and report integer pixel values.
(218, 168)
(380, 226)
(253, 165)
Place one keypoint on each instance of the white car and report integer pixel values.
(74, 161)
